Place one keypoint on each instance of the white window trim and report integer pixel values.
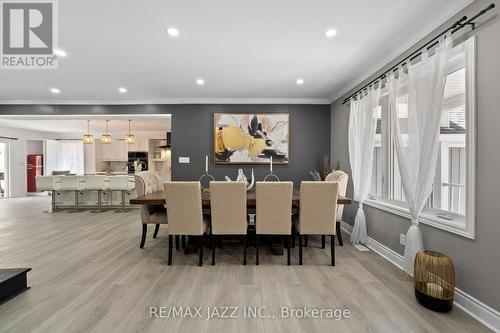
(461, 225)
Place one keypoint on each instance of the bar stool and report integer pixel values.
(75, 184)
(49, 183)
(99, 184)
(122, 184)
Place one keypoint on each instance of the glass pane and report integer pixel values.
(378, 158)
(3, 170)
(449, 187)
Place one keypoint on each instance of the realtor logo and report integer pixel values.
(29, 34)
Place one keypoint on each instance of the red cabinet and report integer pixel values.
(34, 164)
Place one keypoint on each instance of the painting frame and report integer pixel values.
(217, 161)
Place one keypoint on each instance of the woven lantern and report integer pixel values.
(434, 280)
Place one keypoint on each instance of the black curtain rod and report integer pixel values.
(8, 138)
(433, 42)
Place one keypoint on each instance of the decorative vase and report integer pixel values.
(434, 280)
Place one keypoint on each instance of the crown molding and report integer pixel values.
(320, 101)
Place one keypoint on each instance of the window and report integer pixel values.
(451, 204)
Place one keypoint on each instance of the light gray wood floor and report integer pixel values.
(90, 275)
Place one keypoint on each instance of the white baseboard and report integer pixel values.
(483, 313)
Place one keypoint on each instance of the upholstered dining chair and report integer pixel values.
(228, 212)
(147, 182)
(185, 215)
(273, 212)
(317, 212)
(342, 178)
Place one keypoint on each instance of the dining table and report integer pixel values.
(157, 198)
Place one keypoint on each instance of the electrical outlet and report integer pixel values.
(183, 160)
(402, 239)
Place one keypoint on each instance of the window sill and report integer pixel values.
(458, 225)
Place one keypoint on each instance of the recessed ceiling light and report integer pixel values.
(330, 33)
(122, 90)
(300, 81)
(200, 82)
(55, 90)
(60, 53)
(173, 32)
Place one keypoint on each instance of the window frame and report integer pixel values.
(463, 225)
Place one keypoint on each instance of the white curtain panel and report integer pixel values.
(416, 104)
(362, 126)
(70, 156)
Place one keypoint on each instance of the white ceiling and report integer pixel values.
(77, 125)
(244, 50)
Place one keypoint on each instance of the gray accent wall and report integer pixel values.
(192, 134)
(477, 262)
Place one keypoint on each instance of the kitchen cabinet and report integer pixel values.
(139, 145)
(117, 150)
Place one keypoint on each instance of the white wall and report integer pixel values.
(17, 157)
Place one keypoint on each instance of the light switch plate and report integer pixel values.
(183, 160)
(402, 239)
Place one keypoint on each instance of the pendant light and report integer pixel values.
(88, 139)
(129, 139)
(106, 137)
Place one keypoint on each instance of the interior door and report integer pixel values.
(4, 169)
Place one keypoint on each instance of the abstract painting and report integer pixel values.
(245, 138)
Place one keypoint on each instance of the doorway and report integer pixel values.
(4, 169)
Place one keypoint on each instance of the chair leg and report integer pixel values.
(244, 249)
(200, 252)
(256, 249)
(170, 243)
(339, 234)
(293, 236)
(183, 241)
(157, 227)
(306, 241)
(144, 232)
(300, 249)
(99, 201)
(177, 240)
(323, 241)
(212, 241)
(332, 246)
(288, 243)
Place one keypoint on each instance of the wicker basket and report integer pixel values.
(434, 280)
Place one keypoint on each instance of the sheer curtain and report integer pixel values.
(362, 126)
(416, 133)
(70, 156)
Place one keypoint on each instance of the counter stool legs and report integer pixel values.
(77, 207)
(323, 241)
(123, 201)
(157, 227)
(53, 195)
(144, 232)
(99, 201)
(212, 241)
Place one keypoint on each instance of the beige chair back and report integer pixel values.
(318, 203)
(147, 182)
(274, 208)
(183, 200)
(228, 201)
(342, 178)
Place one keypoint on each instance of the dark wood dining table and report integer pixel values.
(157, 198)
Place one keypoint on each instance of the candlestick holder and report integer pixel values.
(271, 175)
(206, 174)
